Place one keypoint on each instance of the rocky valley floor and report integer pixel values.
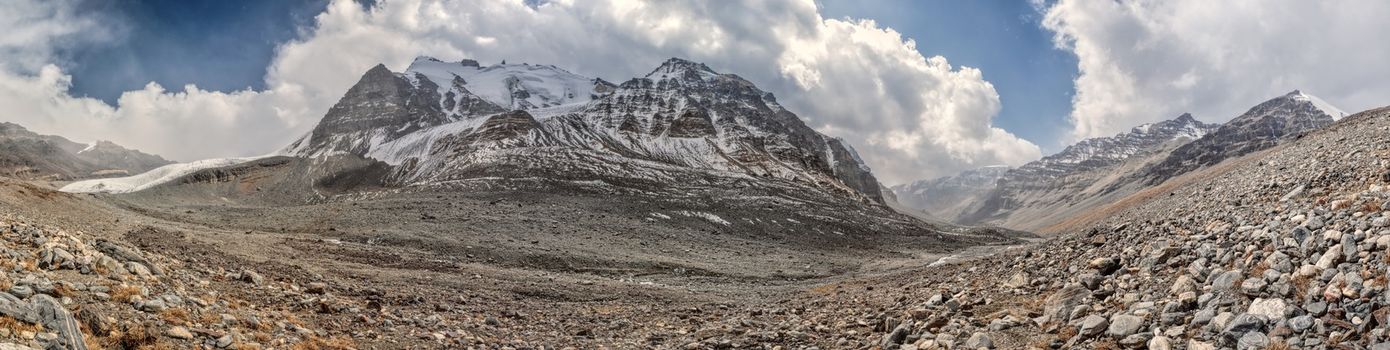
(1285, 248)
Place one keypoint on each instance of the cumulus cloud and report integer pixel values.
(1143, 61)
(910, 116)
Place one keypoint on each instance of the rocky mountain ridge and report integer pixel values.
(681, 123)
(26, 154)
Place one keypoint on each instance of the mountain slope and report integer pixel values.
(1060, 180)
(25, 154)
(682, 122)
(945, 198)
(1263, 126)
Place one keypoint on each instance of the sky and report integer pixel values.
(920, 88)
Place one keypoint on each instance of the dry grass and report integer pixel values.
(136, 336)
(1106, 344)
(1278, 345)
(1067, 332)
(17, 326)
(1259, 269)
(30, 265)
(101, 269)
(174, 316)
(261, 337)
(63, 290)
(124, 293)
(1371, 207)
(1301, 284)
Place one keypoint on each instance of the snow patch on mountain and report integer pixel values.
(512, 86)
(154, 177)
(1333, 111)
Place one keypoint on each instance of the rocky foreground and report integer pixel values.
(65, 290)
(1284, 249)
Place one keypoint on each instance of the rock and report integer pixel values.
(1253, 286)
(57, 319)
(1160, 343)
(1331, 258)
(1092, 325)
(1124, 325)
(1059, 305)
(1193, 344)
(1301, 323)
(1245, 323)
(979, 340)
(1252, 341)
(126, 254)
(251, 277)
(1273, 308)
(1104, 266)
(316, 288)
(1018, 280)
(22, 291)
(178, 333)
(1226, 281)
(897, 336)
(1182, 284)
(13, 346)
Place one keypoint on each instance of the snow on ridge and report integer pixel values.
(90, 147)
(154, 177)
(544, 85)
(1333, 111)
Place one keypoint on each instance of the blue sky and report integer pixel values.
(227, 45)
(218, 45)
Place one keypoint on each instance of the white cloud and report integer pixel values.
(1143, 61)
(910, 116)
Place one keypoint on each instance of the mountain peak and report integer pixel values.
(676, 66)
(1328, 108)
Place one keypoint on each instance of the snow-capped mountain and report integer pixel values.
(945, 197)
(440, 121)
(1103, 151)
(26, 154)
(1263, 126)
(990, 195)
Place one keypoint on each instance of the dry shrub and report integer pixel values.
(137, 336)
(100, 269)
(31, 265)
(1106, 344)
(63, 290)
(1278, 345)
(17, 326)
(1259, 269)
(1067, 332)
(1371, 207)
(1301, 284)
(124, 293)
(174, 316)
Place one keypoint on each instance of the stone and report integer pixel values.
(1331, 258)
(1301, 323)
(1124, 325)
(1252, 341)
(1253, 286)
(1183, 284)
(1104, 266)
(178, 333)
(1245, 323)
(1193, 344)
(1093, 325)
(979, 340)
(57, 319)
(1018, 280)
(1160, 343)
(897, 336)
(252, 277)
(1059, 305)
(1225, 281)
(1273, 308)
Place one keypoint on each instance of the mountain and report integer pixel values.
(1095, 172)
(1263, 126)
(947, 197)
(991, 194)
(29, 155)
(681, 123)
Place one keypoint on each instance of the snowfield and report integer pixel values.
(152, 178)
